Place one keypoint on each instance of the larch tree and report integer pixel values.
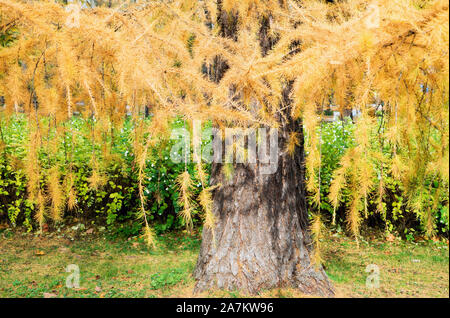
(242, 64)
(260, 239)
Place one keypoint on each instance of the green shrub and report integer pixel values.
(116, 203)
(397, 217)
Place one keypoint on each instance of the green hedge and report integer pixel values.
(116, 203)
(339, 136)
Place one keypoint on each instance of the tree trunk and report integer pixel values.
(260, 240)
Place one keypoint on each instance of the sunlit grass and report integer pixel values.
(31, 266)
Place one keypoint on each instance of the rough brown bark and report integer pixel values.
(260, 240)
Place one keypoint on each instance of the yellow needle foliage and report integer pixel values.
(184, 183)
(117, 60)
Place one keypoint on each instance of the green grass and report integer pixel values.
(31, 265)
(406, 269)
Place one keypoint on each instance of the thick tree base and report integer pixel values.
(253, 267)
(260, 240)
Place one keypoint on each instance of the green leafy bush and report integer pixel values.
(116, 202)
(397, 216)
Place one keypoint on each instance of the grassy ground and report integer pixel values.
(34, 266)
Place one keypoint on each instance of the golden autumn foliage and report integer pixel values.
(184, 183)
(118, 60)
